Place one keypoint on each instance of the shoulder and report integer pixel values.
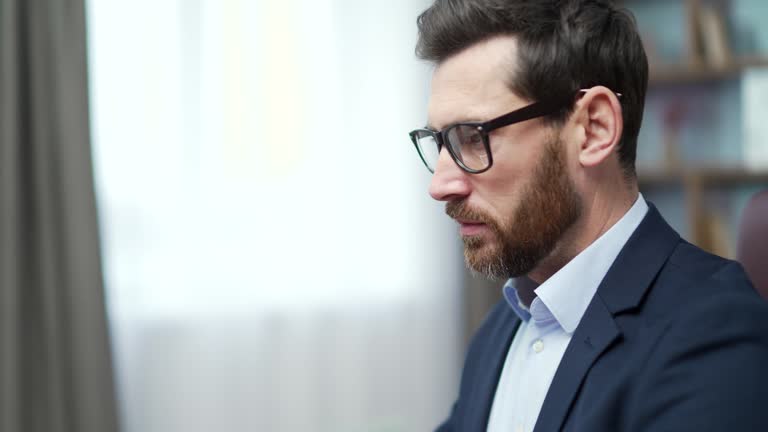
(711, 348)
(694, 282)
(705, 312)
(700, 296)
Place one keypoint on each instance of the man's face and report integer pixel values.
(515, 214)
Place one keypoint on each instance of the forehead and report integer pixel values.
(473, 84)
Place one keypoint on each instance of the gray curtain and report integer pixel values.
(55, 361)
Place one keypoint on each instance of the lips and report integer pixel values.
(469, 228)
(471, 222)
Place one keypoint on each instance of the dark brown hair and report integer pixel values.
(563, 46)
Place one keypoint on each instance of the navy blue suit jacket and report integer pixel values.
(675, 339)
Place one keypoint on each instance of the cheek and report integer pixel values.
(516, 155)
(518, 149)
(499, 195)
(511, 172)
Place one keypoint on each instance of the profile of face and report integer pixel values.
(514, 215)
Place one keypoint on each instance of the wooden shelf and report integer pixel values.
(716, 176)
(663, 75)
(705, 228)
(707, 59)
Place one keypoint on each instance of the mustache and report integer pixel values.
(461, 210)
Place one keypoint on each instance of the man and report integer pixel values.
(610, 321)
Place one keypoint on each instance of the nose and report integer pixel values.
(449, 182)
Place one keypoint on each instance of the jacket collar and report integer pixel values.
(623, 288)
(631, 275)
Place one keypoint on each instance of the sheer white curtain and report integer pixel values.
(273, 260)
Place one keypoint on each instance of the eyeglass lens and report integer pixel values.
(466, 145)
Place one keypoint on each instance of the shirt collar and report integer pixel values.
(513, 299)
(565, 296)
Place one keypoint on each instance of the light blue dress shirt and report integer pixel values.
(547, 327)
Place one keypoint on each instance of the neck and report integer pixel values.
(601, 210)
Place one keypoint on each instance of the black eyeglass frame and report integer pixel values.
(528, 112)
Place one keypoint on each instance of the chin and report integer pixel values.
(485, 261)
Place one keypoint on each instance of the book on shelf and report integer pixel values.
(754, 96)
(715, 237)
(714, 37)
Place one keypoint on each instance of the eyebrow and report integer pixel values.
(428, 126)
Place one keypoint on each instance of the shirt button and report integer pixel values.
(538, 346)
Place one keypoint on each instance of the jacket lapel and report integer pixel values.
(595, 333)
(623, 288)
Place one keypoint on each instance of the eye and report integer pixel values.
(474, 139)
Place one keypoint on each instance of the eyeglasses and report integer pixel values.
(469, 143)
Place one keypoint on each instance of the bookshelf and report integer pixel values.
(670, 75)
(695, 184)
(695, 103)
(722, 176)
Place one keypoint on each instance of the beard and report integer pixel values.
(548, 207)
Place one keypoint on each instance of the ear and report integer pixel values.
(601, 118)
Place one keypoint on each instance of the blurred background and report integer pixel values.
(272, 259)
(213, 218)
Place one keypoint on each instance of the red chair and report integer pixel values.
(753, 241)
